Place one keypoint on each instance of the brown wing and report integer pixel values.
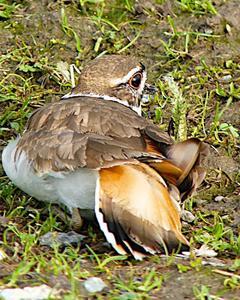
(135, 211)
(93, 133)
(86, 132)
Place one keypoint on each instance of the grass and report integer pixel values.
(197, 7)
(197, 88)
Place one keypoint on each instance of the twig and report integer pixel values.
(225, 273)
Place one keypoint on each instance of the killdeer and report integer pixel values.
(94, 152)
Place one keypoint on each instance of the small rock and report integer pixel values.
(208, 30)
(228, 29)
(226, 78)
(61, 238)
(187, 216)
(145, 99)
(41, 292)
(218, 198)
(2, 254)
(94, 285)
(205, 251)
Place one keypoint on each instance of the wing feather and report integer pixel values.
(134, 205)
(88, 132)
(83, 132)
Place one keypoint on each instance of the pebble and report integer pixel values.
(41, 292)
(226, 78)
(94, 285)
(145, 99)
(218, 198)
(61, 238)
(203, 251)
(187, 216)
(2, 254)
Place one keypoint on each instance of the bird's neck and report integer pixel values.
(137, 109)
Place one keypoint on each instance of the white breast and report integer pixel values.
(74, 189)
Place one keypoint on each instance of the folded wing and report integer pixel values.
(135, 211)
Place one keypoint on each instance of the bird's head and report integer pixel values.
(114, 77)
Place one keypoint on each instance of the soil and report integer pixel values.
(38, 23)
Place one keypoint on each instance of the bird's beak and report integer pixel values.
(148, 90)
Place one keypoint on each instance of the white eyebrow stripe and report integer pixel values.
(125, 79)
(142, 85)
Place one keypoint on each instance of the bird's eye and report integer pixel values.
(135, 80)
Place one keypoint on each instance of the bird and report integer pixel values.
(93, 152)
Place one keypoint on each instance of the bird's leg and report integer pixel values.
(76, 221)
(58, 212)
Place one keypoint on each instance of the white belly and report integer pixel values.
(74, 189)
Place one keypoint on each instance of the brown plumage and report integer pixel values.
(137, 207)
(141, 173)
(85, 132)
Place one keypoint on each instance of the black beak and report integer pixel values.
(149, 89)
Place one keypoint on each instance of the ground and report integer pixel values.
(192, 52)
